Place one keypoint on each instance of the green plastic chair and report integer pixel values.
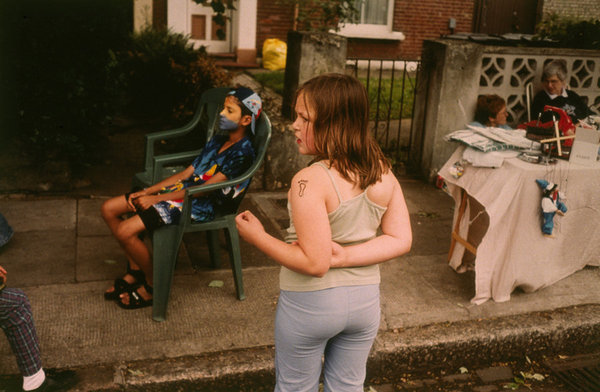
(167, 239)
(158, 167)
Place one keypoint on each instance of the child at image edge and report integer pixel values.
(329, 281)
(224, 157)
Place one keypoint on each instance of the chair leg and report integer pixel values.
(166, 241)
(214, 248)
(235, 259)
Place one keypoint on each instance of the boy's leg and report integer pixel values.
(16, 319)
(135, 248)
(112, 211)
(346, 354)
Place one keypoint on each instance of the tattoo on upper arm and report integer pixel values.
(302, 185)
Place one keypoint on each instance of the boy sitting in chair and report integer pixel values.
(224, 157)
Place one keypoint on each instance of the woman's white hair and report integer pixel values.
(556, 68)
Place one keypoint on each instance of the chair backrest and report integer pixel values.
(209, 107)
(529, 98)
(260, 142)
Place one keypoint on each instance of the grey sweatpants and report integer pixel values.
(338, 323)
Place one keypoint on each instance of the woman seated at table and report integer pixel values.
(555, 94)
(491, 112)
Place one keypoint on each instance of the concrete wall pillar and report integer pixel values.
(246, 31)
(445, 101)
(177, 16)
(309, 55)
(142, 14)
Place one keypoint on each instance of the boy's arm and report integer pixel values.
(145, 201)
(182, 175)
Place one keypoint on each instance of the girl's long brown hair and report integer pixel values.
(341, 128)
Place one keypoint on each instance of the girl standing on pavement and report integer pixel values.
(329, 280)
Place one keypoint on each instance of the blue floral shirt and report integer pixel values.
(232, 162)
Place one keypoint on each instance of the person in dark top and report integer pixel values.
(555, 94)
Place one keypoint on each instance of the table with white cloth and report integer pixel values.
(513, 252)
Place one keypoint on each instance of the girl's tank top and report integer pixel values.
(354, 221)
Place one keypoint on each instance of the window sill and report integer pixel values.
(389, 36)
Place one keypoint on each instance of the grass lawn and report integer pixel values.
(274, 80)
(271, 79)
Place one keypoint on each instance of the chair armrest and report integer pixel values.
(195, 190)
(161, 161)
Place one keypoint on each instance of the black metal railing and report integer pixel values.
(391, 87)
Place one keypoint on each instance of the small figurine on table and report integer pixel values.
(551, 204)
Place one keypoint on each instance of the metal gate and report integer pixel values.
(391, 87)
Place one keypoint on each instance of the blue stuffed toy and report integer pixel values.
(551, 204)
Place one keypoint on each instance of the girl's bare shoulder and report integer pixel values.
(313, 176)
(382, 192)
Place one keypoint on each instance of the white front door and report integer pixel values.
(195, 20)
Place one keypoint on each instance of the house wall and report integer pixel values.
(417, 19)
(427, 19)
(580, 9)
(275, 19)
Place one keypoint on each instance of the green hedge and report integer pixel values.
(569, 32)
(161, 75)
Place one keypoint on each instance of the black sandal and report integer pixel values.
(136, 301)
(121, 286)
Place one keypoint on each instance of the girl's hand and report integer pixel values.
(249, 226)
(338, 255)
(145, 202)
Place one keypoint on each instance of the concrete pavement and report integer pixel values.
(62, 255)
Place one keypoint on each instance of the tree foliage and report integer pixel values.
(323, 15)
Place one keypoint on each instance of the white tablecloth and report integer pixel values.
(513, 252)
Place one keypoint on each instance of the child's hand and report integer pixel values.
(144, 202)
(249, 226)
(338, 255)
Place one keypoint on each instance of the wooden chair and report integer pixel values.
(167, 239)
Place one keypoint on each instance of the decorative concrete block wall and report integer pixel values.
(455, 72)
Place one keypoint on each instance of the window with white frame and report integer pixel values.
(374, 21)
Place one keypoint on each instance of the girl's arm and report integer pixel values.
(395, 241)
(312, 254)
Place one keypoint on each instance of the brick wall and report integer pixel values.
(580, 9)
(275, 19)
(417, 19)
(426, 19)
